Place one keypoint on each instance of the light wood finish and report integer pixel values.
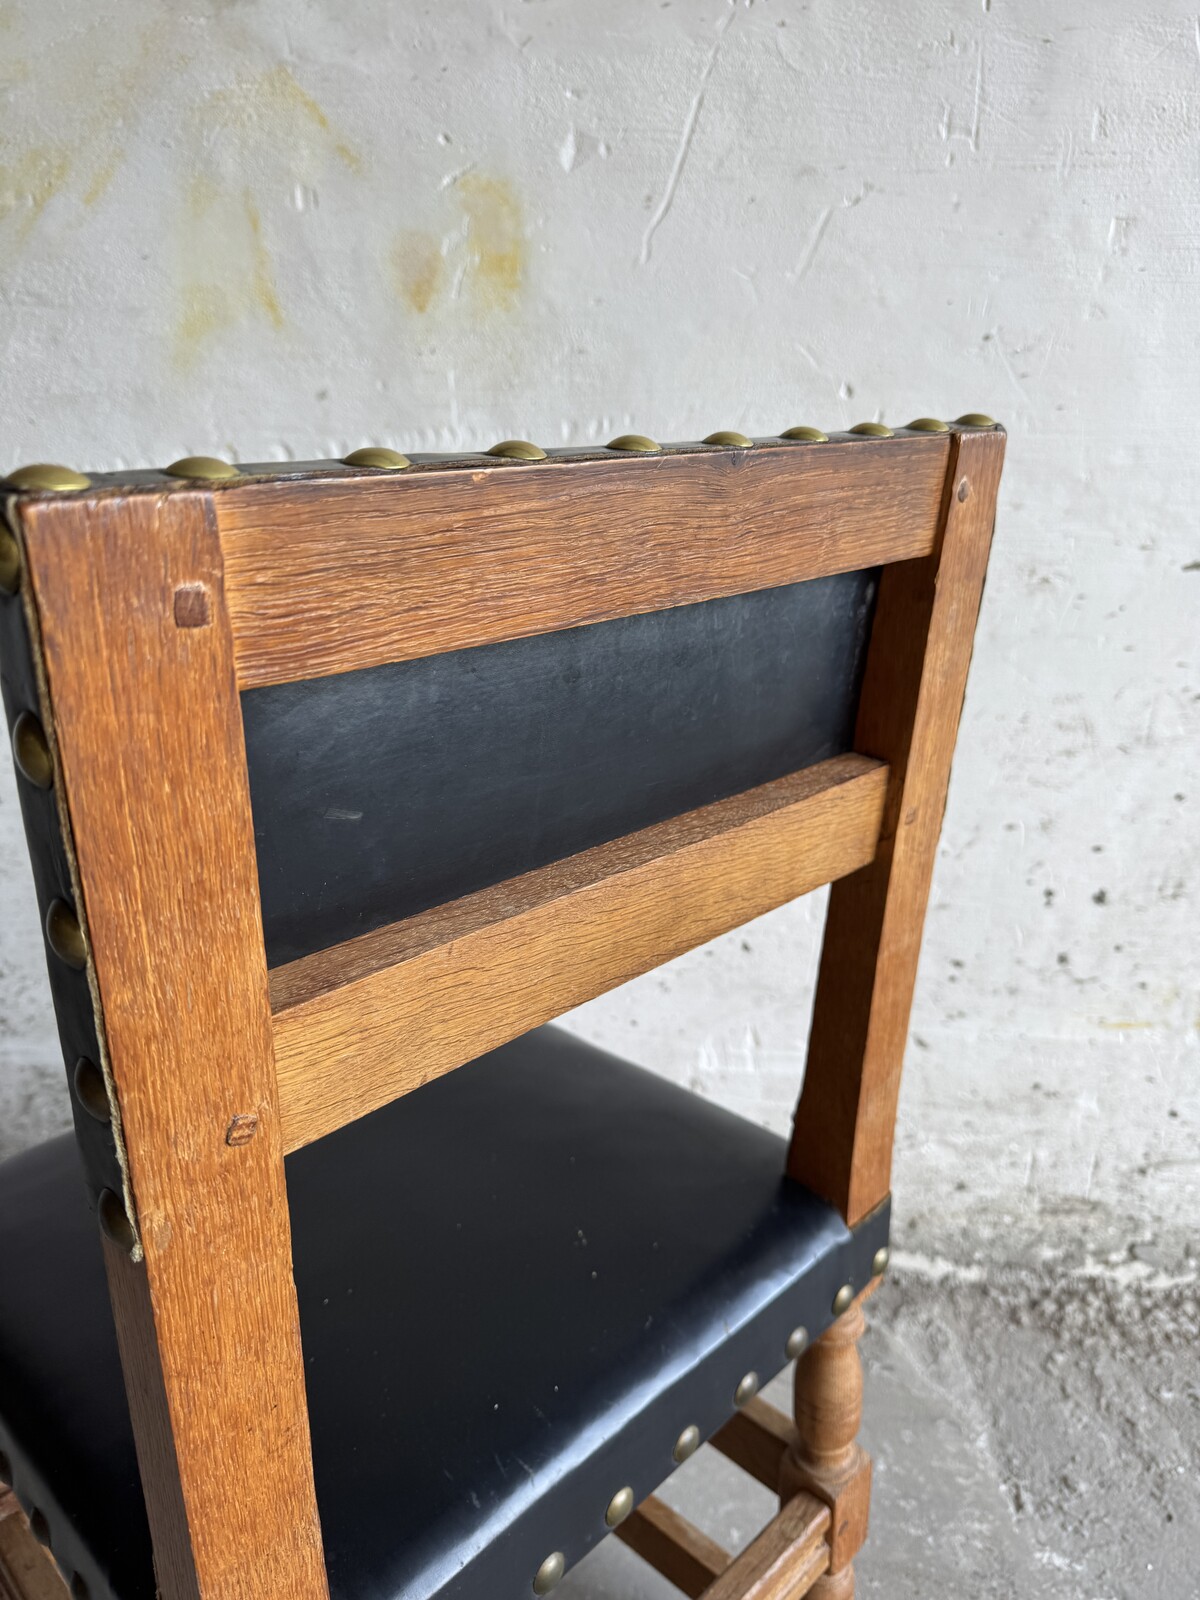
(828, 1391)
(331, 576)
(27, 1571)
(149, 734)
(784, 1561)
(834, 1586)
(143, 1364)
(365, 1022)
(683, 1554)
(908, 716)
(826, 1459)
(757, 1438)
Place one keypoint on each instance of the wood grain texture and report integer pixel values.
(149, 735)
(681, 1552)
(908, 715)
(784, 1561)
(757, 1438)
(27, 1571)
(331, 576)
(825, 1458)
(834, 1586)
(360, 1024)
(142, 1365)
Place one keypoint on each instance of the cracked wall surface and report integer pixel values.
(261, 232)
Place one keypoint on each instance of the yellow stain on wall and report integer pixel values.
(229, 275)
(418, 268)
(263, 124)
(205, 310)
(204, 306)
(485, 254)
(495, 238)
(29, 181)
(284, 86)
(103, 177)
(99, 82)
(262, 277)
(271, 108)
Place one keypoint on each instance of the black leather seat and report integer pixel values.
(517, 1286)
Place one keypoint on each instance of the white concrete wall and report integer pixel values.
(261, 230)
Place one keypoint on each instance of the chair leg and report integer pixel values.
(27, 1571)
(833, 1586)
(826, 1459)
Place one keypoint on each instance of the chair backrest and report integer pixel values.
(336, 778)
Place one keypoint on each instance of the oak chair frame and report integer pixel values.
(214, 1067)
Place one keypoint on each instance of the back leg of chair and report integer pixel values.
(826, 1458)
(26, 1570)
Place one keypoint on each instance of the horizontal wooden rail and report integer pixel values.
(364, 1022)
(330, 576)
(756, 1439)
(672, 1545)
(784, 1561)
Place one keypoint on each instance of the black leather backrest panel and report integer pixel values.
(380, 793)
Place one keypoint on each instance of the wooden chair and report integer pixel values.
(340, 781)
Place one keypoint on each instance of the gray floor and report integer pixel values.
(1036, 1433)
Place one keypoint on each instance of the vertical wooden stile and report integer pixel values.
(908, 716)
(143, 701)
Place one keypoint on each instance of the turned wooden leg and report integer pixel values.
(834, 1586)
(27, 1571)
(826, 1459)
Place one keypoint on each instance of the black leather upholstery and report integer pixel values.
(380, 793)
(517, 1286)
